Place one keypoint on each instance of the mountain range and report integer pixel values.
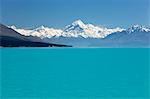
(11, 38)
(79, 34)
(76, 29)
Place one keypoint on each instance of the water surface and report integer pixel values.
(74, 73)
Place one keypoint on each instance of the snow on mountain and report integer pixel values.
(76, 29)
(80, 29)
(135, 28)
(42, 32)
(24, 32)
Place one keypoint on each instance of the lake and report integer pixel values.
(91, 73)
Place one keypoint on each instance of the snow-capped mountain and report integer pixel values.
(42, 32)
(80, 29)
(10, 38)
(76, 29)
(80, 34)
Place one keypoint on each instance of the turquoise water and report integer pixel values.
(74, 73)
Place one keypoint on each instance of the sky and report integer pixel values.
(59, 13)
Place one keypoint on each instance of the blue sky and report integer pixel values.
(58, 13)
